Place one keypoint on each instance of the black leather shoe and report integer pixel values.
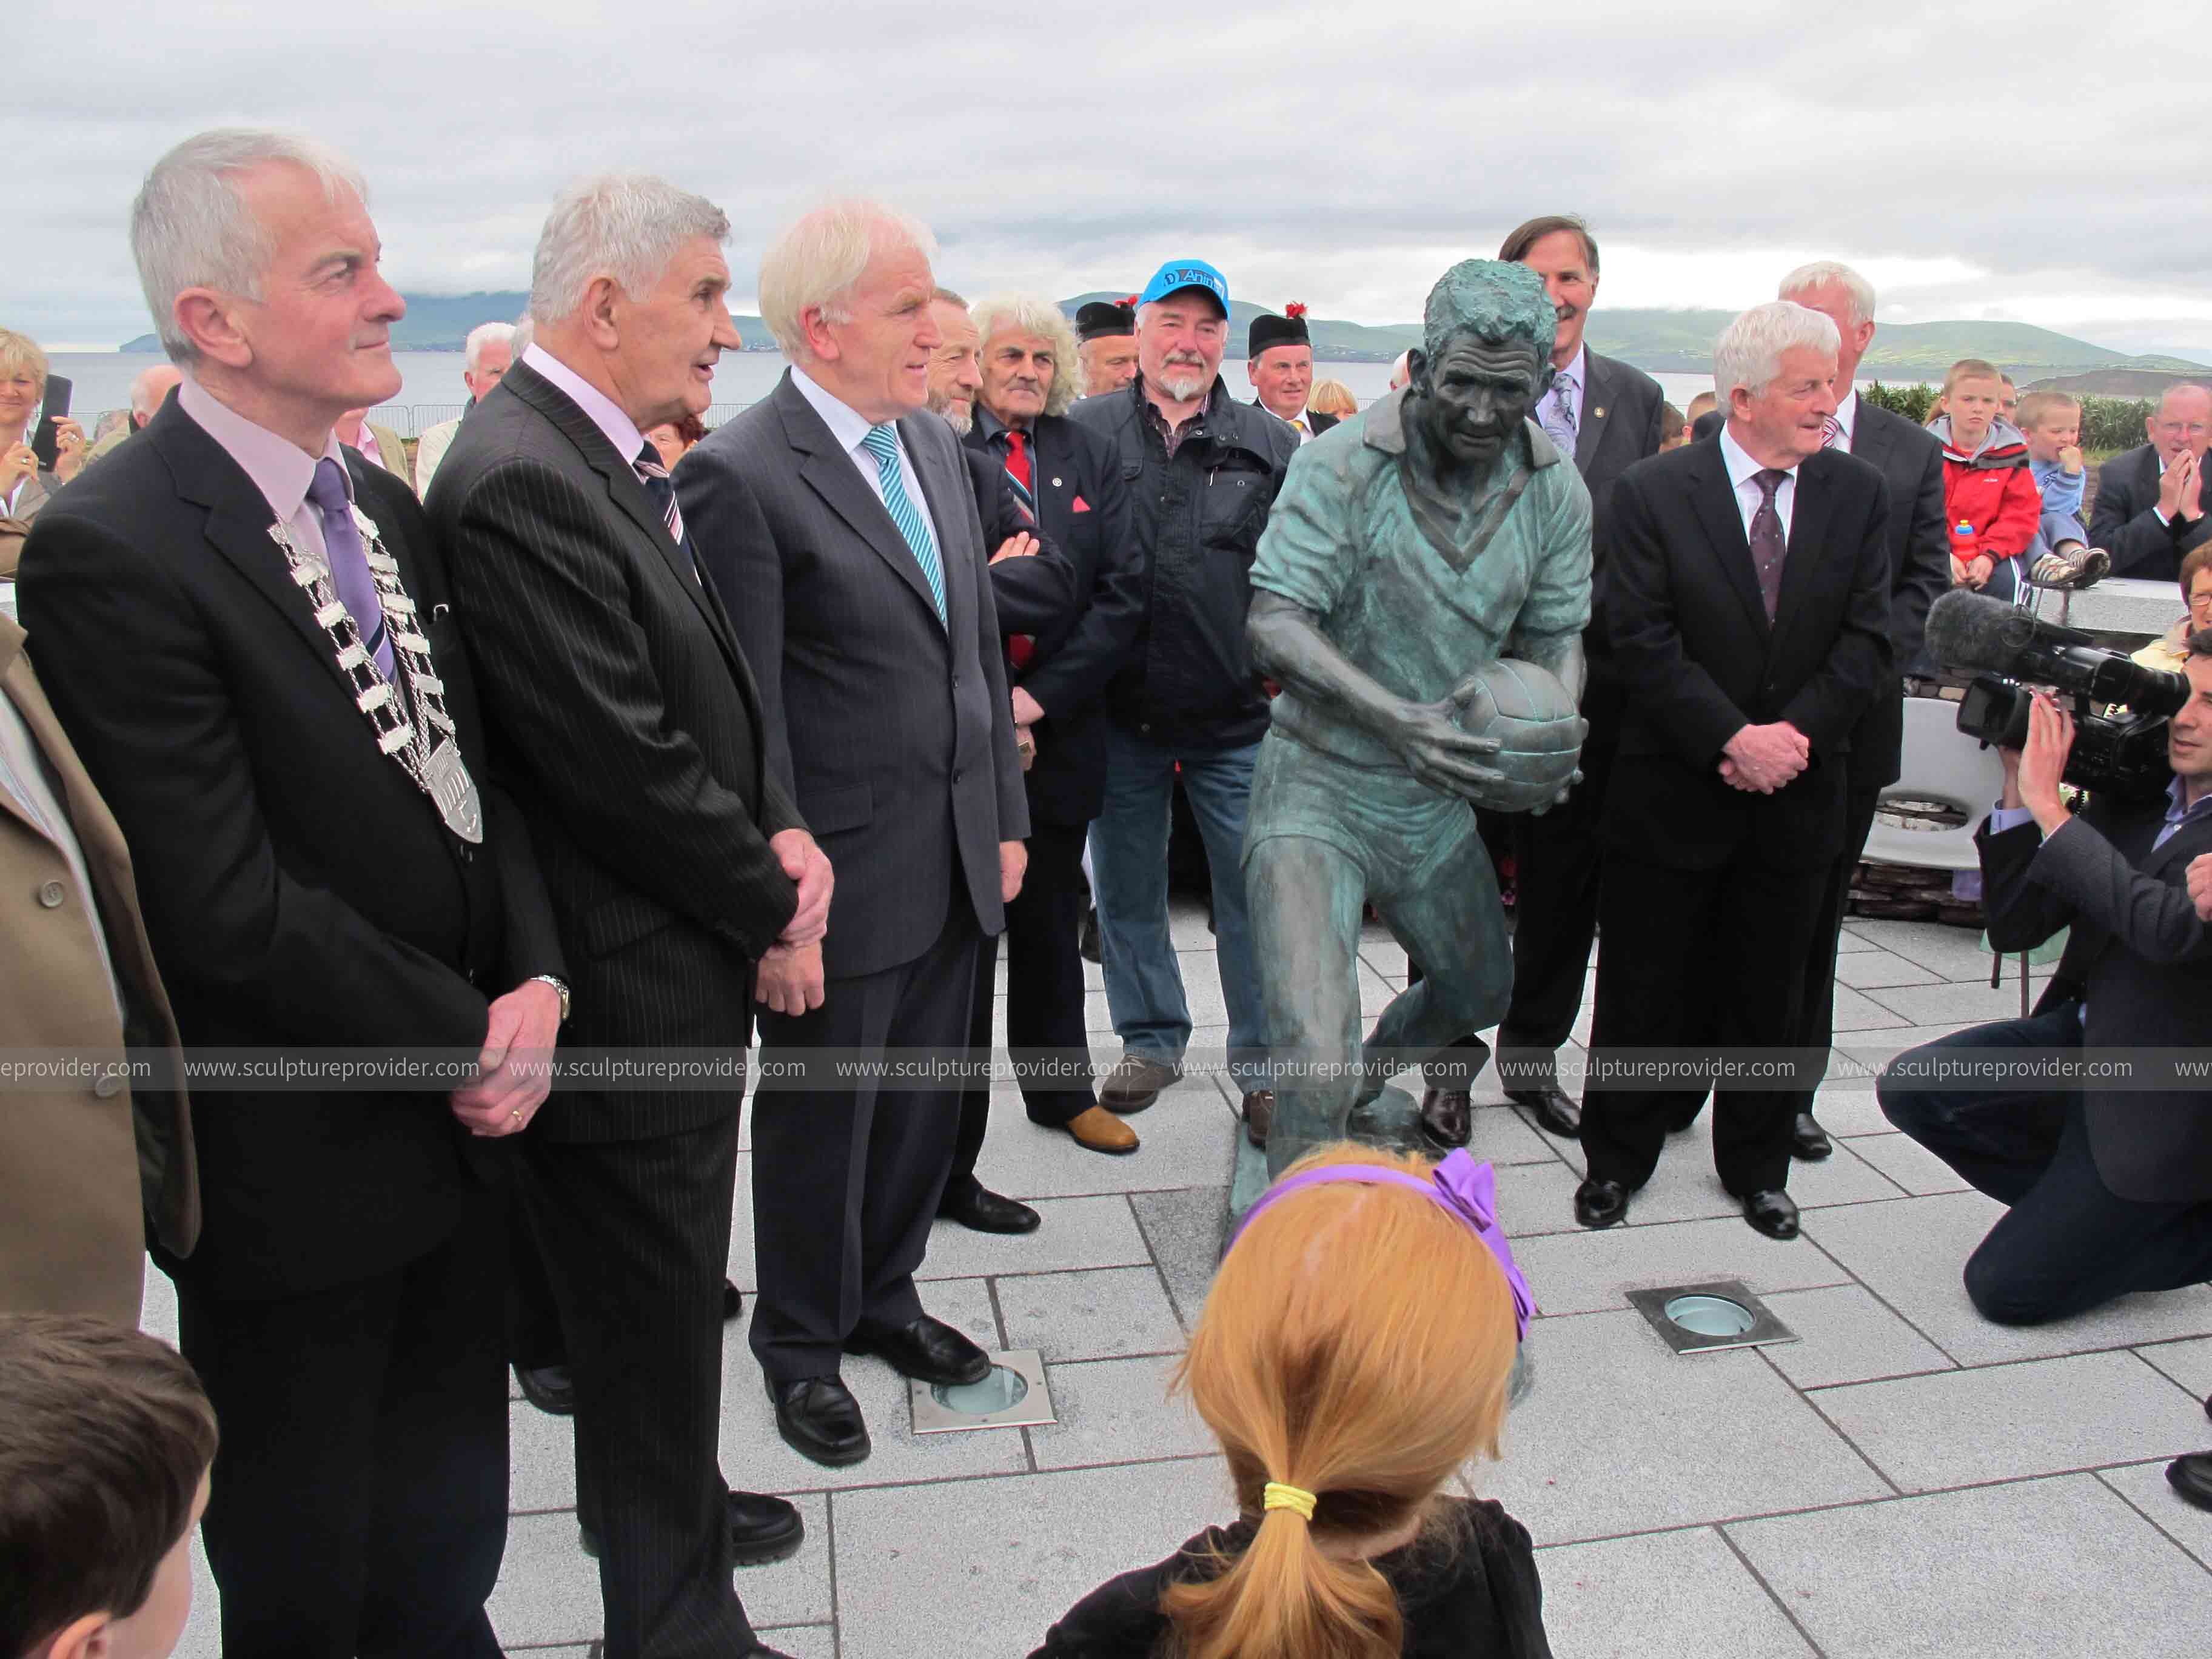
(819, 1418)
(2191, 1476)
(929, 1351)
(549, 1387)
(985, 1212)
(1555, 1110)
(1087, 944)
(1773, 1212)
(733, 1303)
(761, 1530)
(1447, 1117)
(1601, 1203)
(1809, 1140)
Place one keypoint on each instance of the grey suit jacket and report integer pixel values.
(890, 729)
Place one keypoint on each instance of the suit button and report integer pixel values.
(52, 895)
(108, 1086)
(958, 773)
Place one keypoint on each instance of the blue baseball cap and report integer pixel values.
(1187, 273)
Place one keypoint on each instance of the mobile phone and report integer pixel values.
(45, 442)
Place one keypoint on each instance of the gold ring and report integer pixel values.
(515, 1117)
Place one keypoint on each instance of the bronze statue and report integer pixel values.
(1412, 548)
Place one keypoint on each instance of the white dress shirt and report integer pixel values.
(849, 427)
(621, 431)
(1847, 417)
(1743, 472)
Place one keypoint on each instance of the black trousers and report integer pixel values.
(635, 1239)
(846, 1182)
(1044, 997)
(2068, 1244)
(1687, 954)
(1816, 1011)
(359, 1501)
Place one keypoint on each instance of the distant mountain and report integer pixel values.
(441, 322)
(2188, 354)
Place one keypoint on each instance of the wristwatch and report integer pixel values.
(558, 985)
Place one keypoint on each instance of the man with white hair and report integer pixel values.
(148, 392)
(1401, 371)
(491, 350)
(296, 759)
(839, 519)
(675, 860)
(1749, 613)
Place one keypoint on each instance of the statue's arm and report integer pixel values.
(1289, 648)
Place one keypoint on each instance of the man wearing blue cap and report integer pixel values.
(1205, 468)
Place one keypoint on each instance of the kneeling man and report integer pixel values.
(2110, 1191)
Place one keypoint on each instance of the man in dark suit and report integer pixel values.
(1279, 360)
(1067, 481)
(1608, 415)
(294, 756)
(1748, 606)
(625, 716)
(2153, 502)
(2108, 1191)
(839, 518)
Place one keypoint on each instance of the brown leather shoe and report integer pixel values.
(1135, 1083)
(1259, 1113)
(1097, 1130)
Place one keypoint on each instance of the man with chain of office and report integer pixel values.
(1419, 594)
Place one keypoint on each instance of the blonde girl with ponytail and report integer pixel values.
(1352, 1355)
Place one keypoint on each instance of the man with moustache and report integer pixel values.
(1106, 336)
(1748, 612)
(248, 636)
(1605, 416)
(1205, 468)
(1069, 479)
(676, 861)
(1279, 359)
(842, 516)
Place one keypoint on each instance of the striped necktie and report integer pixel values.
(881, 442)
(1832, 434)
(1021, 647)
(658, 484)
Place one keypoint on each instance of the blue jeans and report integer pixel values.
(1130, 876)
(2068, 1244)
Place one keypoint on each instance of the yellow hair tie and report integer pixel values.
(1277, 1496)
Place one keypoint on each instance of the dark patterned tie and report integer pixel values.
(655, 477)
(1021, 647)
(1770, 548)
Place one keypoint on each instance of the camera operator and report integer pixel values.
(2109, 1191)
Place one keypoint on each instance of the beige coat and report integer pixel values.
(85, 1163)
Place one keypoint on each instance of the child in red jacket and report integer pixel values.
(1990, 501)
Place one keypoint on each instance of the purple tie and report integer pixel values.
(348, 560)
(1770, 550)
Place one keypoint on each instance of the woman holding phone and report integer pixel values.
(25, 481)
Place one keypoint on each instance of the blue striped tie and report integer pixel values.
(881, 442)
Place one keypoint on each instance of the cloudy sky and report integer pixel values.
(1989, 160)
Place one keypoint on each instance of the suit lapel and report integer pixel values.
(1870, 435)
(830, 472)
(2185, 842)
(942, 498)
(1714, 500)
(1596, 409)
(1812, 506)
(624, 488)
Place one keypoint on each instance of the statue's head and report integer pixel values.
(1485, 357)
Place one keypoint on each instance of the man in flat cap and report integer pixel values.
(1278, 356)
(1106, 344)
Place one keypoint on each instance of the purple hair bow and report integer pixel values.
(1466, 1189)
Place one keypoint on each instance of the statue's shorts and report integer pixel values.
(1397, 831)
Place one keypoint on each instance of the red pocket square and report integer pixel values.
(1081, 506)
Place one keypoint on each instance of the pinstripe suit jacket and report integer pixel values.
(624, 717)
(893, 729)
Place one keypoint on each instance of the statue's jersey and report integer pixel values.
(1343, 543)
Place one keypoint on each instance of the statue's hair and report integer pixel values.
(1494, 299)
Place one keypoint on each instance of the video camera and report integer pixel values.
(2007, 651)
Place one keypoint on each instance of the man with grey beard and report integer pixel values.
(954, 372)
(1203, 468)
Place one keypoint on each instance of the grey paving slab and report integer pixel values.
(1582, 1271)
(1910, 1165)
(1953, 1004)
(1186, 1230)
(1100, 1315)
(1500, 1134)
(1536, 1198)
(1684, 1440)
(801, 1641)
(1846, 1335)
(1074, 1232)
(1862, 970)
(2004, 1422)
(1685, 1188)
(1856, 1011)
(541, 1451)
(1659, 1592)
(1181, 1139)
(1113, 1411)
(157, 1306)
(2188, 1363)
(1847, 1109)
(549, 1589)
(1911, 1253)
(1853, 939)
(743, 1274)
(2145, 1487)
(1952, 952)
(2062, 1566)
(987, 1566)
(203, 1633)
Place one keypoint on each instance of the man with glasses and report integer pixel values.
(2151, 500)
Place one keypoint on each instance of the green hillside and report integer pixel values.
(441, 322)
